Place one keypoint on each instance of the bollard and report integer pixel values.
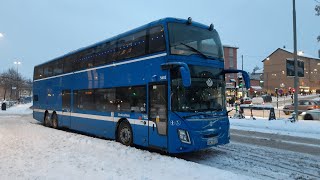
(3, 106)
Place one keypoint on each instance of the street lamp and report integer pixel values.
(17, 90)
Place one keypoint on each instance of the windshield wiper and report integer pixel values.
(198, 114)
(195, 50)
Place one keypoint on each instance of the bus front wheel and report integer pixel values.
(55, 121)
(124, 135)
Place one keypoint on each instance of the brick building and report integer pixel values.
(230, 58)
(275, 72)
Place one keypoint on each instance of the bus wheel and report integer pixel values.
(55, 121)
(124, 135)
(46, 119)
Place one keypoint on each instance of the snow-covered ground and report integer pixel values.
(32, 151)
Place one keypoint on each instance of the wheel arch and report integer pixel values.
(117, 127)
(308, 115)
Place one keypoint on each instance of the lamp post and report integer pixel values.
(17, 89)
(296, 79)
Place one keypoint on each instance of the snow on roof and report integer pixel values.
(259, 71)
(303, 55)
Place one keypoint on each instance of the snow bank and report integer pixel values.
(300, 128)
(18, 109)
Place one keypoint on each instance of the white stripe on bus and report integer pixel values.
(99, 117)
(105, 66)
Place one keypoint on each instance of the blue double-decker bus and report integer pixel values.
(160, 86)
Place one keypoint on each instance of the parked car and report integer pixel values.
(247, 100)
(303, 105)
(311, 114)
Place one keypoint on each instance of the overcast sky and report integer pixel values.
(36, 31)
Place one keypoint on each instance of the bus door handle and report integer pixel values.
(152, 127)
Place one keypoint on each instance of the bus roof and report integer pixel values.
(153, 23)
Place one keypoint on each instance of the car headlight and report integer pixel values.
(303, 113)
(184, 136)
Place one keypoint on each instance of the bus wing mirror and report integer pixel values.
(185, 75)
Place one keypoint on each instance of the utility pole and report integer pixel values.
(241, 75)
(296, 78)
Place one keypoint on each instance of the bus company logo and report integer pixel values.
(209, 82)
(123, 115)
(178, 123)
(163, 77)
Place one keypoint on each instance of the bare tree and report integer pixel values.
(11, 81)
(317, 8)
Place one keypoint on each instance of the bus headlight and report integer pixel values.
(184, 136)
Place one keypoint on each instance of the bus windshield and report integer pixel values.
(188, 40)
(206, 92)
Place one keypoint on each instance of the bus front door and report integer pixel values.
(158, 117)
(66, 109)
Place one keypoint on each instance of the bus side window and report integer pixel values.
(58, 67)
(156, 39)
(47, 70)
(131, 99)
(68, 64)
(132, 46)
(38, 72)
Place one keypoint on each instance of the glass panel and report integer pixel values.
(156, 40)
(206, 92)
(132, 46)
(131, 99)
(158, 107)
(47, 70)
(58, 67)
(104, 99)
(188, 39)
(66, 99)
(38, 72)
(84, 99)
(69, 64)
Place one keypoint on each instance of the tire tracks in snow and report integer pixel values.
(258, 162)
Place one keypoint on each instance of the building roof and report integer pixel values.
(259, 71)
(255, 76)
(291, 52)
(228, 46)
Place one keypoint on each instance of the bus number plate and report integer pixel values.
(212, 141)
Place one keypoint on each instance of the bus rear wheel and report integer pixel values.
(55, 121)
(46, 121)
(124, 135)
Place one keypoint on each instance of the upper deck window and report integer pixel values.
(188, 40)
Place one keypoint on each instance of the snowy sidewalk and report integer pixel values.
(301, 128)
